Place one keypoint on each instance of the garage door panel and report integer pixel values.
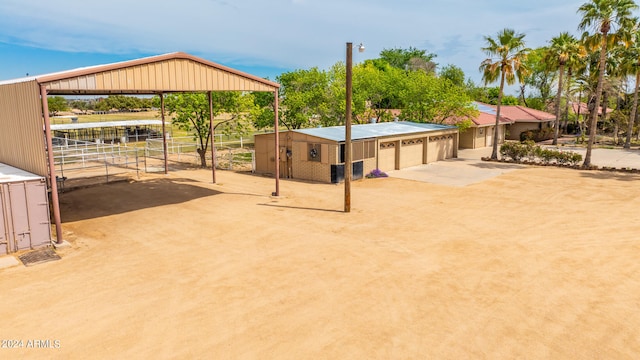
(387, 156)
(411, 153)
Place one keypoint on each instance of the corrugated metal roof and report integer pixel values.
(175, 71)
(367, 131)
(93, 125)
(11, 174)
(485, 108)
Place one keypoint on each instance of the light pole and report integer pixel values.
(347, 128)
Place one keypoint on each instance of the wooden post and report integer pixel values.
(347, 137)
(277, 142)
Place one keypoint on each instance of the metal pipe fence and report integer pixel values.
(80, 163)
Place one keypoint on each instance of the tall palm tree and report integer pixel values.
(507, 53)
(631, 66)
(558, 54)
(603, 16)
(575, 66)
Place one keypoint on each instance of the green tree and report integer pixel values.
(558, 53)
(409, 59)
(376, 91)
(191, 113)
(57, 104)
(434, 100)
(507, 53)
(262, 112)
(631, 66)
(602, 16)
(453, 74)
(304, 96)
(80, 105)
(540, 76)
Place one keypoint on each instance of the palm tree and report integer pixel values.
(631, 66)
(506, 53)
(602, 16)
(559, 53)
(575, 66)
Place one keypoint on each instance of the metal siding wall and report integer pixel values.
(4, 224)
(168, 75)
(21, 128)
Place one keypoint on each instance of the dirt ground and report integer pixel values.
(535, 263)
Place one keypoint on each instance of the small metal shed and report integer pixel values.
(24, 211)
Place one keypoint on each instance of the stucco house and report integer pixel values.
(524, 119)
(481, 132)
(317, 154)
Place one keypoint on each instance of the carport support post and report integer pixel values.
(164, 135)
(213, 143)
(277, 142)
(53, 181)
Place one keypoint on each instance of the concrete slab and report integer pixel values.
(8, 261)
(455, 172)
(468, 168)
(63, 245)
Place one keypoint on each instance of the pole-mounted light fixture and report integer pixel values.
(347, 125)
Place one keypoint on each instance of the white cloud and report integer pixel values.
(284, 33)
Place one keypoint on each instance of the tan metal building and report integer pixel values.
(24, 112)
(317, 154)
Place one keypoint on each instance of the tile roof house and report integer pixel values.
(584, 109)
(524, 119)
(481, 132)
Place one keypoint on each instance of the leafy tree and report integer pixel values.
(507, 53)
(409, 59)
(434, 100)
(602, 16)
(540, 75)
(304, 95)
(121, 102)
(453, 74)
(191, 113)
(631, 66)
(80, 105)
(262, 112)
(57, 104)
(377, 88)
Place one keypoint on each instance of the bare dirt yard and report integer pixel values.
(535, 263)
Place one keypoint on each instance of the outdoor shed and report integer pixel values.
(24, 211)
(317, 154)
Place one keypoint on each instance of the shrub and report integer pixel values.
(517, 151)
(537, 134)
(376, 173)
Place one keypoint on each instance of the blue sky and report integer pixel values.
(264, 37)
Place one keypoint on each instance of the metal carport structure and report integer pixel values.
(24, 111)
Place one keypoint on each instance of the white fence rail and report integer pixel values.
(79, 162)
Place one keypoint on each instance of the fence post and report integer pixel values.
(230, 160)
(106, 166)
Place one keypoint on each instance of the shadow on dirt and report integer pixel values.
(122, 197)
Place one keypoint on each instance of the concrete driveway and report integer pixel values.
(468, 168)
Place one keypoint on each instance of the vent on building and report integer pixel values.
(314, 152)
